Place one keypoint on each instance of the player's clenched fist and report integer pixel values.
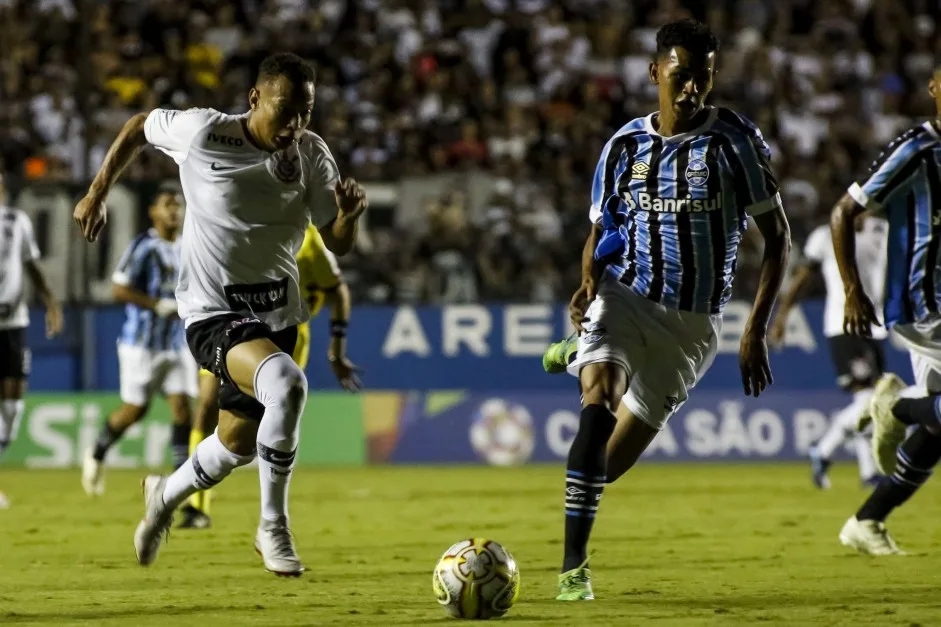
(91, 216)
(351, 198)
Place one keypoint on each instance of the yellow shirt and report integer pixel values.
(318, 270)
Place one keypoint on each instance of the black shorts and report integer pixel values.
(210, 341)
(859, 361)
(15, 358)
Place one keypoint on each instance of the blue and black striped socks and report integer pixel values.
(585, 481)
(916, 459)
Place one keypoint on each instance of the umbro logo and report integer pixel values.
(215, 167)
(639, 171)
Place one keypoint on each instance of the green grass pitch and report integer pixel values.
(674, 545)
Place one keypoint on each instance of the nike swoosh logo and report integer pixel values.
(215, 167)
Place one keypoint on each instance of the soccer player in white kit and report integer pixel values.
(252, 184)
(18, 256)
(859, 361)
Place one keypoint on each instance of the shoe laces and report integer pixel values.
(880, 532)
(282, 541)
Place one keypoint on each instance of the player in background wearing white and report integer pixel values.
(859, 361)
(152, 353)
(252, 183)
(18, 256)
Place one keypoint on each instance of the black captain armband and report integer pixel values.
(338, 328)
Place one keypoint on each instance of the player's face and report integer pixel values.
(167, 212)
(684, 80)
(281, 110)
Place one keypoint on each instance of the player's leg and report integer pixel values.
(915, 458)
(260, 382)
(12, 407)
(630, 439)
(859, 363)
(136, 369)
(205, 421)
(602, 386)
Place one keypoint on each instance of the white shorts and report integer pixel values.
(145, 372)
(923, 342)
(664, 351)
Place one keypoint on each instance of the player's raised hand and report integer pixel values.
(90, 215)
(578, 306)
(859, 314)
(351, 198)
(347, 373)
(754, 363)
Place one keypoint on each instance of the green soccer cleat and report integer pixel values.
(557, 357)
(575, 585)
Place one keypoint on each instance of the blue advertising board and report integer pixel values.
(505, 428)
(469, 347)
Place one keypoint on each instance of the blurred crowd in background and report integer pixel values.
(528, 90)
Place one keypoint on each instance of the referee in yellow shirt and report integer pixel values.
(321, 282)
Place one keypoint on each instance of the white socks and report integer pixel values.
(211, 463)
(11, 414)
(844, 424)
(280, 385)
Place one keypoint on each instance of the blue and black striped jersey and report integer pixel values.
(904, 185)
(150, 265)
(673, 209)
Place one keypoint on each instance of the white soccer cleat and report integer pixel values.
(93, 475)
(275, 544)
(869, 537)
(4, 501)
(887, 431)
(157, 520)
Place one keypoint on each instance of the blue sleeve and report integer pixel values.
(757, 189)
(598, 193)
(132, 269)
(891, 170)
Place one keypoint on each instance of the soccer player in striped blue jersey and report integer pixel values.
(152, 352)
(904, 186)
(670, 200)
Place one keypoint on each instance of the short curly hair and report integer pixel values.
(289, 65)
(690, 34)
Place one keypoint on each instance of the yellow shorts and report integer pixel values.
(301, 349)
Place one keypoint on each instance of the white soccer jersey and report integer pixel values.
(246, 212)
(17, 248)
(870, 259)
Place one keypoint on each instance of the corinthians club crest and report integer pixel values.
(287, 167)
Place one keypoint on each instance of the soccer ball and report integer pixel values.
(476, 578)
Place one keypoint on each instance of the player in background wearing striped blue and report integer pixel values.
(152, 353)
(670, 200)
(904, 186)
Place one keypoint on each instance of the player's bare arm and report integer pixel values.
(790, 297)
(859, 312)
(586, 291)
(90, 214)
(50, 302)
(753, 352)
(346, 372)
(340, 234)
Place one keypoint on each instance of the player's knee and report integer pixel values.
(280, 382)
(605, 384)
